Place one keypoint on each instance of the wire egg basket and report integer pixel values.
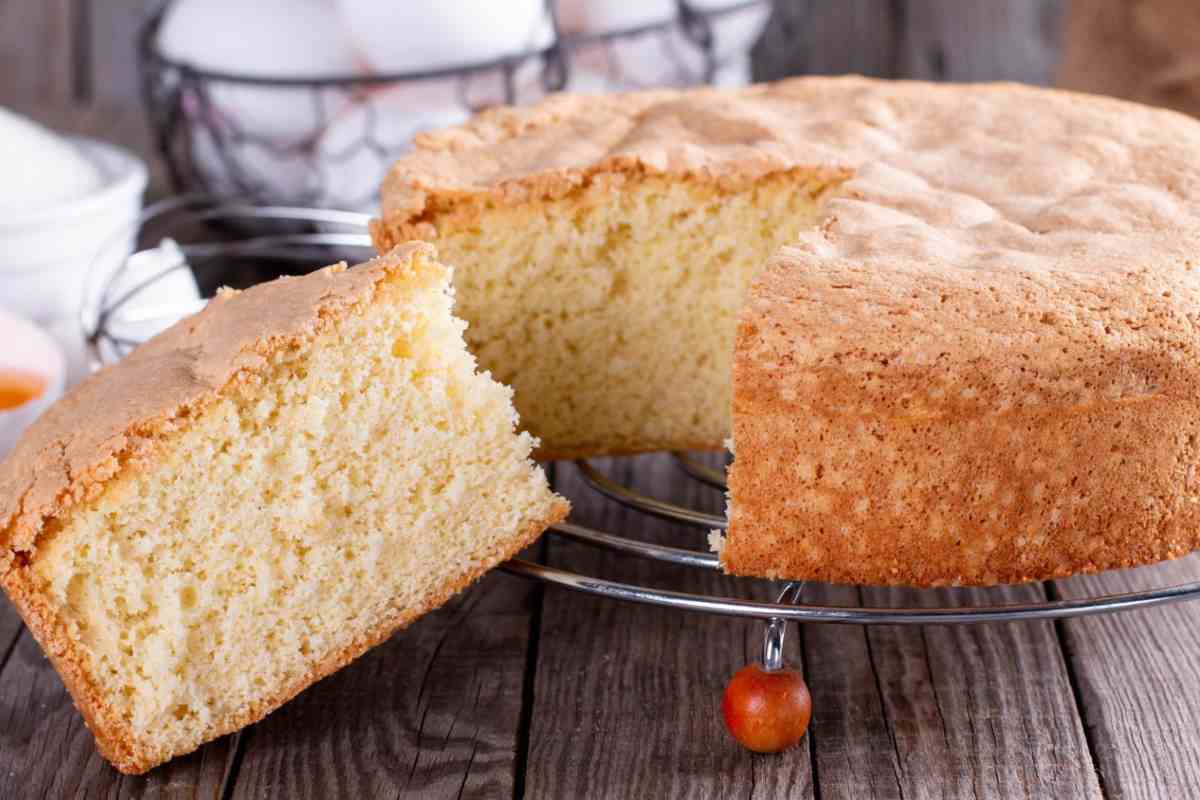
(220, 132)
(145, 294)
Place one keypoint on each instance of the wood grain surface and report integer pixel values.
(514, 690)
(626, 701)
(1138, 683)
(947, 711)
(38, 47)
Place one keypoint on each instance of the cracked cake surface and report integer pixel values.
(974, 360)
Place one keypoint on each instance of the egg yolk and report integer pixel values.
(18, 387)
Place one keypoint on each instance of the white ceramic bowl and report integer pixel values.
(25, 348)
(45, 256)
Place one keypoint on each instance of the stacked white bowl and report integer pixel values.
(62, 199)
(32, 375)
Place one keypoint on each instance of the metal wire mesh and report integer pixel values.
(349, 128)
(128, 298)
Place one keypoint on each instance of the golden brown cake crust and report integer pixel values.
(827, 126)
(1002, 290)
(131, 405)
(514, 155)
(137, 403)
(982, 367)
(981, 465)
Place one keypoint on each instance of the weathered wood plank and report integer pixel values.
(942, 711)
(435, 711)
(819, 37)
(109, 68)
(899, 712)
(627, 697)
(1138, 680)
(980, 40)
(852, 744)
(37, 50)
(46, 751)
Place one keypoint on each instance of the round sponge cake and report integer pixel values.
(972, 357)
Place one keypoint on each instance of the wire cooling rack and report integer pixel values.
(131, 297)
(217, 130)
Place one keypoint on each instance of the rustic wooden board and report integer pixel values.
(979, 710)
(434, 712)
(627, 697)
(1138, 681)
(11, 628)
(851, 742)
(109, 57)
(37, 50)
(958, 40)
(941, 711)
(986, 711)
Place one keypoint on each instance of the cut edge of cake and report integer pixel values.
(510, 157)
(663, 157)
(124, 419)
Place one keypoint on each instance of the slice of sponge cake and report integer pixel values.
(258, 495)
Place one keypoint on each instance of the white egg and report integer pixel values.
(41, 169)
(268, 170)
(623, 62)
(605, 16)
(31, 375)
(431, 34)
(662, 57)
(657, 57)
(263, 39)
(356, 150)
(587, 76)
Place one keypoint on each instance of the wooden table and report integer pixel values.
(517, 690)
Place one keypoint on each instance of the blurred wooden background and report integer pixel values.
(56, 52)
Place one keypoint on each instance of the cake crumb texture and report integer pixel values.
(641, 283)
(975, 361)
(303, 468)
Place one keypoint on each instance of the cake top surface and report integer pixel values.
(117, 414)
(1048, 238)
(971, 173)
